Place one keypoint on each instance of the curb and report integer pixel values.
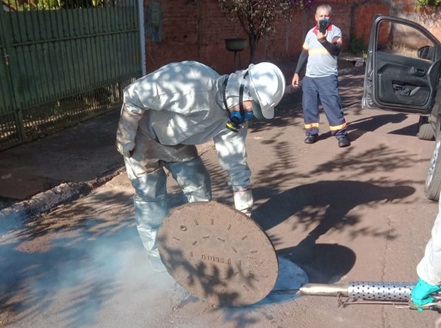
(12, 217)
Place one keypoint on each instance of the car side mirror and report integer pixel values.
(425, 52)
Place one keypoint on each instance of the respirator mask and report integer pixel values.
(237, 118)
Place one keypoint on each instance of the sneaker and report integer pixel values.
(343, 142)
(156, 264)
(311, 139)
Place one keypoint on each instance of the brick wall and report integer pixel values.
(197, 29)
(405, 9)
(361, 19)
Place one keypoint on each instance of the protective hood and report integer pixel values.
(266, 85)
(232, 89)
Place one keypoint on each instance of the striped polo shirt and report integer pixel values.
(320, 62)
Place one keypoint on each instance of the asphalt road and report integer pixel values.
(353, 214)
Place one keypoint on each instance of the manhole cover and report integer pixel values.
(218, 254)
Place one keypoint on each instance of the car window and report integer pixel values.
(401, 39)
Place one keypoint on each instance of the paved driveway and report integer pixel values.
(357, 213)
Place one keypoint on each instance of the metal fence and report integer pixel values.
(63, 62)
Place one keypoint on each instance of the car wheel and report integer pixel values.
(426, 129)
(433, 181)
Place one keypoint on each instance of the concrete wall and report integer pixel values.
(197, 29)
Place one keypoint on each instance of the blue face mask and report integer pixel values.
(248, 116)
(237, 118)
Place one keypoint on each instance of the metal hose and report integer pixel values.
(366, 290)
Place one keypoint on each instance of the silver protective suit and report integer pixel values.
(164, 115)
(429, 268)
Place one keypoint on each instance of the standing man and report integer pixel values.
(320, 49)
(166, 113)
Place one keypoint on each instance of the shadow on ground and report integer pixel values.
(318, 208)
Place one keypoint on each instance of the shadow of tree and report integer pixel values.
(324, 206)
(76, 249)
(348, 165)
(81, 243)
(369, 124)
(351, 90)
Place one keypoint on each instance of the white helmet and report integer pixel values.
(266, 86)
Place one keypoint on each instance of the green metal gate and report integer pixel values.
(63, 62)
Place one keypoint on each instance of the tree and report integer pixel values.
(427, 5)
(257, 17)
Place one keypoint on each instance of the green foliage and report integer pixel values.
(357, 46)
(429, 5)
(19, 5)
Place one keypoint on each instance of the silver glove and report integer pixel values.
(127, 128)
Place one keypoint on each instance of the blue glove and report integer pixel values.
(420, 293)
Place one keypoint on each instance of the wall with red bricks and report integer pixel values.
(406, 9)
(197, 29)
(362, 18)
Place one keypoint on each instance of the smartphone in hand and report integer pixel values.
(323, 25)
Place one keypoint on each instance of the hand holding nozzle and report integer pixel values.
(424, 294)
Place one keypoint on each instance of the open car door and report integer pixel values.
(402, 74)
(402, 68)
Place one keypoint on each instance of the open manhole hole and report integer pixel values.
(218, 254)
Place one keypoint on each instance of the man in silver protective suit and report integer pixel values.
(429, 268)
(169, 111)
